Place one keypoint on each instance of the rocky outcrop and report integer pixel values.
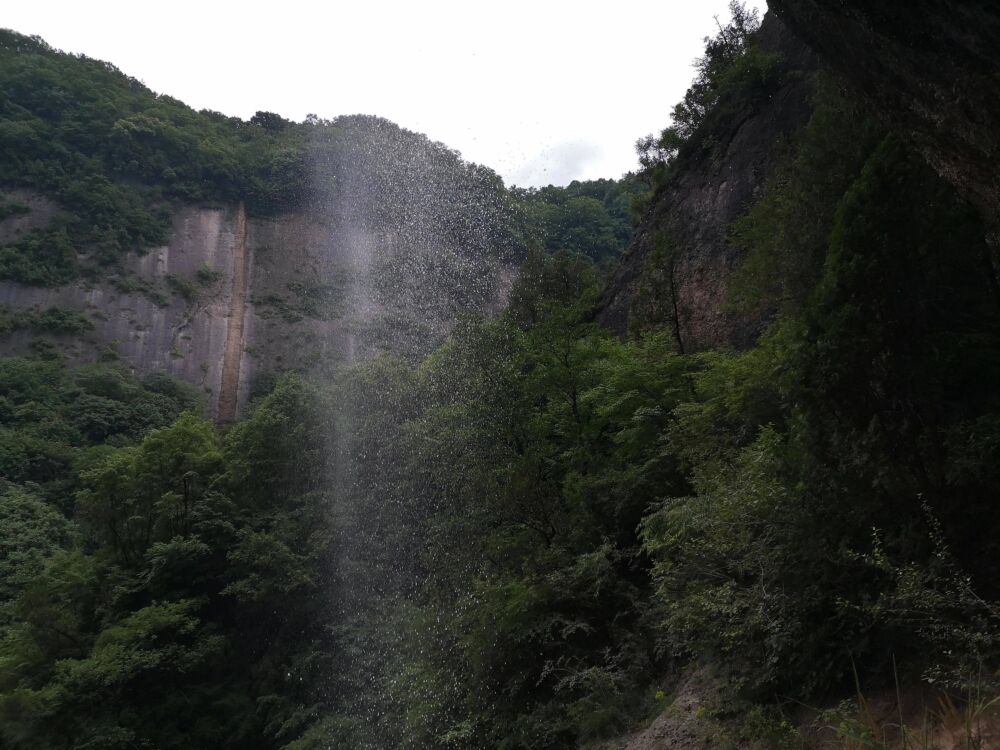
(686, 724)
(688, 718)
(231, 298)
(232, 356)
(38, 212)
(137, 317)
(930, 68)
(695, 210)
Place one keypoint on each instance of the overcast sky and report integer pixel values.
(542, 91)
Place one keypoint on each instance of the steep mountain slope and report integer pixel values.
(686, 229)
(540, 535)
(219, 250)
(930, 68)
(929, 71)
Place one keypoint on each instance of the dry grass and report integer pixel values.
(916, 720)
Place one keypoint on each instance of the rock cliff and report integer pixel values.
(715, 186)
(930, 68)
(230, 298)
(223, 251)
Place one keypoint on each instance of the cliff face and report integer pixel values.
(231, 298)
(931, 68)
(694, 211)
(292, 245)
(150, 331)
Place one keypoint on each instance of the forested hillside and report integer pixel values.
(536, 532)
(594, 218)
(116, 157)
(172, 231)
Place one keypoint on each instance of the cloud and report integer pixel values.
(557, 165)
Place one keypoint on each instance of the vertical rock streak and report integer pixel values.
(233, 354)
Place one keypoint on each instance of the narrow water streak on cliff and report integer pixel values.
(233, 354)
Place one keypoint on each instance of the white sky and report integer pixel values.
(542, 91)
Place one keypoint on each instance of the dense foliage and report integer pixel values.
(731, 80)
(122, 622)
(579, 515)
(114, 158)
(591, 218)
(519, 540)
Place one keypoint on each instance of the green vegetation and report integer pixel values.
(582, 512)
(732, 79)
(9, 209)
(521, 539)
(116, 158)
(51, 320)
(186, 289)
(208, 277)
(787, 231)
(112, 155)
(563, 517)
(323, 301)
(304, 300)
(121, 626)
(591, 218)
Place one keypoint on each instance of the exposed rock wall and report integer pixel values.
(695, 210)
(232, 355)
(230, 298)
(40, 212)
(149, 328)
(931, 68)
(212, 339)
